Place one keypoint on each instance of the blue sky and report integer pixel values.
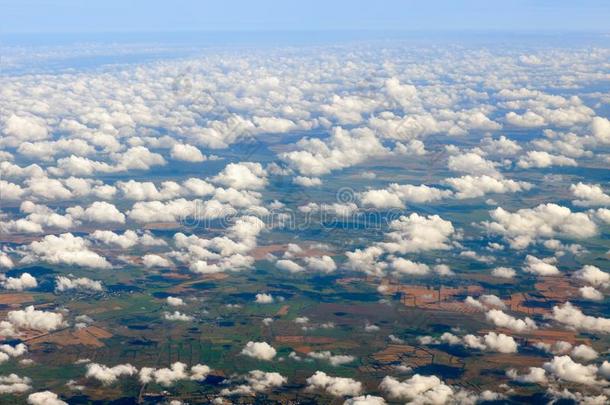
(78, 16)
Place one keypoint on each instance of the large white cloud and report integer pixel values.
(336, 386)
(99, 212)
(503, 320)
(109, 375)
(259, 350)
(417, 389)
(397, 196)
(244, 175)
(343, 149)
(524, 226)
(63, 283)
(45, 398)
(477, 186)
(573, 317)
(564, 368)
(64, 249)
(31, 318)
(23, 282)
(589, 195)
(416, 233)
(168, 376)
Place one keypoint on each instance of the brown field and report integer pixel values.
(186, 285)
(553, 335)
(441, 299)
(518, 303)
(15, 298)
(557, 288)
(283, 310)
(510, 359)
(304, 339)
(89, 336)
(415, 356)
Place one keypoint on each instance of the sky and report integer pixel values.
(77, 16)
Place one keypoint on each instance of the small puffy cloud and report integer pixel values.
(600, 128)
(175, 210)
(365, 400)
(64, 249)
(344, 148)
(477, 186)
(109, 375)
(564, 368)
(403, 266)
(167, 377)
(492, 342)
(259, 350)
(244, 175)
(199, 372)
(366, 260)
(526, 225)
(590, 293)
(99, 212)
(25, 128)
(603, 214)
(152, 260)
(13, 384)
(503, 272)
(592, 275)
(23, 282)
(289, 265)
(485, 301)
(369, 327)
(584, 352)
(39, 217)
(174, 301)
(333, 359)
(417, 389)
(257, 381)
(542, 159)
(177, 316)
(589, 195)
(63, 283)
(14, 351)
(527, 120)
(573, 317)
(336, 386)
(5, 261)
(541, 267)
(45, 398)
(307, 181)
(501, 146)
(264, 299)
(187, 153)
(137, 158)
(323, 264)
(503, 320)
(126, 240)
(31, 318)
(535, 375)
(472, 163)
(11, 191)
(398, 196)
(415, 233)
(261, 381)
(558, 347)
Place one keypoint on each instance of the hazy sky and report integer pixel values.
(74, 16)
